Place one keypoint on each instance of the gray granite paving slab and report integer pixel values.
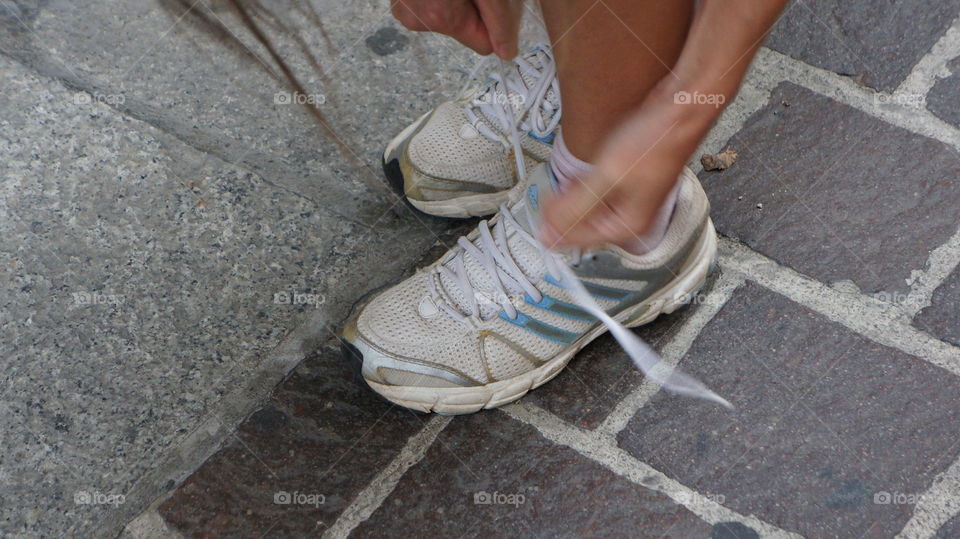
(297, 463)
(944, 98)
(834, 435)
(851, 198)
(141, 281)
(878, 43)
(601, 374)
(223, 99)
(942, 317)
(487, 475)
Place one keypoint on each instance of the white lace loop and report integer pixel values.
(508, 97)
(492, 252)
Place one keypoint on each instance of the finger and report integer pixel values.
(592, 232)
(620, 220)
(625, 225)
(502, 19)
(563, 214)
(471, 30)
(458, 19)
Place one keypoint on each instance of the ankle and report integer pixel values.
(566, 167)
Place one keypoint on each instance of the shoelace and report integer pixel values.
(507, 89)
(493, 254)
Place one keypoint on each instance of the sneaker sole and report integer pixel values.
(473, 205)
(391, 156)
(466, 400)
(468, 205)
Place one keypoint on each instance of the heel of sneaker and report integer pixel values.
(681, 291)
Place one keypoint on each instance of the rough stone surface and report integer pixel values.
(942, 317)
(835, 203)
(492, 457)
(295, 464)
(219, 95)
(950, 529)
(832, 434)
(140, 284)
(733, 530)
(387, 40)
(876, 44)
(601, 374)
(944, 98)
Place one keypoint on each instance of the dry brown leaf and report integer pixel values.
(718, 161)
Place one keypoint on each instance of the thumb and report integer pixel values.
(502, 20)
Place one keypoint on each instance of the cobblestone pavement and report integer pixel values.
(833, 323)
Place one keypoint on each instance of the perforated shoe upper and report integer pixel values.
(458, 149)
(425, 326)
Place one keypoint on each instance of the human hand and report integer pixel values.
(634, 172)
(485, 26)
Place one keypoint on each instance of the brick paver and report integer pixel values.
(852, 198)
(944, 98)
(834, 435)
(942, 317)
(949, 530)
(322, 433)
(536, 488)
(877, 44)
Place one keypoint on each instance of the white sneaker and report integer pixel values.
(457, 160)
(488, 322)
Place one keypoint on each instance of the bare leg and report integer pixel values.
(609, 54)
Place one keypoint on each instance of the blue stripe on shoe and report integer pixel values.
(595, 290)
(560, 308)
(549, 278)
(546, 140)
(551, 333)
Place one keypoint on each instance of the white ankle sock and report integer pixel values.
(568, 168)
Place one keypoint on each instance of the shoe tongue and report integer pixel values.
(526, 256)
